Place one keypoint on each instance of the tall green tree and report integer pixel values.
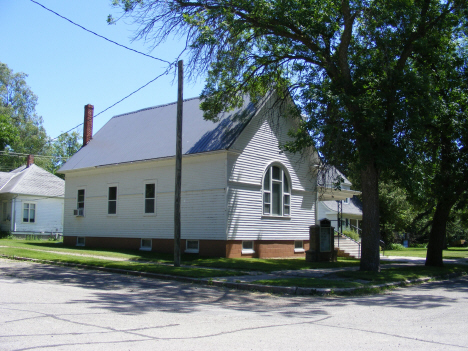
(64, 147)
(438, 159)
(346, 63)
(18, 108)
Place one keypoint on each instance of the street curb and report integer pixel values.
(272, 289)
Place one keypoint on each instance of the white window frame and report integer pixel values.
(29, 203)
(109, 186)
(144, 246)
(192, 249)
(284, 182)
(80, 241)
(147, 182)
(299, 246)
(346, 201)
(78, 202)
(248, 247)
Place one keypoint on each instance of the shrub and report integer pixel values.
(419, 246)
(396, 247)
(352, 234)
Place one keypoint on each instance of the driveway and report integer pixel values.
(55, 308)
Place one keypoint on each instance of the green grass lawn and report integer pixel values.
(451, 252)
(55, 251)
(358, 279)
(200, 267)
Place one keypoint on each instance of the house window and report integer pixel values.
(298, 246)
(346, 201)
(192, 246)
(80, 241)
(29, 213)
(146, 244)
(80, 199)
(4, 211)
(150, 197)
(112, 200)
(276, 192)
(248, 247)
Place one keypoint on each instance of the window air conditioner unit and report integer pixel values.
(78, 212)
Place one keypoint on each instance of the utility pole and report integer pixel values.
(178, 168)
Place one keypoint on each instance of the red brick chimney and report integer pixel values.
(88, 124)
(29, 161)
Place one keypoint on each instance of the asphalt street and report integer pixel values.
(46, 307)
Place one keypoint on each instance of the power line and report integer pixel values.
(18, 154)
(143, 86)
(100, 36)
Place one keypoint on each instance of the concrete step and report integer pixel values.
(347, 247)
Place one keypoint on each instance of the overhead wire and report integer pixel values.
(100, 36)
(171, 64)
(135, 91)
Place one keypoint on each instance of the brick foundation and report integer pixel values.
(211, 248)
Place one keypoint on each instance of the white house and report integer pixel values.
(351, 207)
(31, 201)
(241, 196)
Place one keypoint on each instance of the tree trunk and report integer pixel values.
(437, 234)
(370, 252)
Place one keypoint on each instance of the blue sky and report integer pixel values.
(68, 67)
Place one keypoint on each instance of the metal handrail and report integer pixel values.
(382, 245)
(359, 230)
(357, 242)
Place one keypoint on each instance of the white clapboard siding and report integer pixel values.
(203, 199)
(259, 147)
(48, 217)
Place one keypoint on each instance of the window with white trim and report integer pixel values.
(29, 212)
(298, 246)
(248, 247)
(80, 241)
(112, 200)
(150, 197)
(146, 245)
(276, 192)
(80, 199)
(192, 246)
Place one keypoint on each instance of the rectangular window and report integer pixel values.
(29, 213)
(80, 241)
(146, 245)
(248, 247)
(150, 197)
(298, 246)
(4, 210)
(192, 246)
(80, 198)
(112, 200)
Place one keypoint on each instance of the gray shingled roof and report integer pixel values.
(150, 134)
(31, 181)
(354, 206)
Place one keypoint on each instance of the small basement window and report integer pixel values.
(80, 241)
(146, 245)
(192, 246)
(298, 246)
(248, 247)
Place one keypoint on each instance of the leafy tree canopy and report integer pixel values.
(350, 66)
